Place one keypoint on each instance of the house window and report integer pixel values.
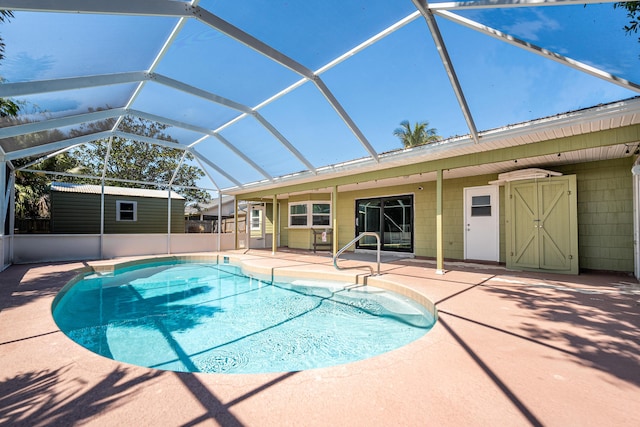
(126, 211)
(481, 205)
(309, 214)
(255, 219)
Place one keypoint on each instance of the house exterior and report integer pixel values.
(204, 219)
(554, 195)
(76, 209)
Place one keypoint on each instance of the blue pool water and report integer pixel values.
(194, 317)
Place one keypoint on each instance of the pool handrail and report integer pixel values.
(348, 245)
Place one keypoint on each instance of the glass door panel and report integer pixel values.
(367, 219)
(391, 218)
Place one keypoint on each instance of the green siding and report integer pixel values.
(605, 214)
(425, 214)
(604, 205)
(74, 213)
(78, 213)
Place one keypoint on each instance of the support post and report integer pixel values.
(169, 221)
(4, 196)
(102, 219)
(334, 220)
(275, 226)
(235, 222)
(439, 234)
(219, 218)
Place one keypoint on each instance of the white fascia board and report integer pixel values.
(111, 7)
(55, 85)
(573, 118)
(27, 128)
(55, 146)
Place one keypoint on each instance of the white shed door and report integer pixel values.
(481, 223)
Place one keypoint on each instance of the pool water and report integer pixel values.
(199, 317)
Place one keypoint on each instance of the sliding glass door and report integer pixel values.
(391, 218)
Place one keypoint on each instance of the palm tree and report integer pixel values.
(420, 134)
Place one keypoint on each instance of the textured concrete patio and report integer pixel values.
(509, 349)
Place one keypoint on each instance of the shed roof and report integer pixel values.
(65, 187)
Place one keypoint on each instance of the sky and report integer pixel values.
(398, 78)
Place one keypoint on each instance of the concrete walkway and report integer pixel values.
(509, 349)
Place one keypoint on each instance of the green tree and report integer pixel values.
(8, 108)
(420, 134)
(32, 189)
(138, 161)
(633, 13)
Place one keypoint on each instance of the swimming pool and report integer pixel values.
(210, 317)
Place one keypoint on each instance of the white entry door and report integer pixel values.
(481, 223)
(255, 224)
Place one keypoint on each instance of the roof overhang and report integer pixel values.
(555, 140)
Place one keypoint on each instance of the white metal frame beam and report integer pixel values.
(174, 145)
(111, 7)
(44, 125)
(530, 47)
(180, 10)
(283, 141)
(507, 4)
(8, 90)
(423, 7)
(55, 146)
(118, 112)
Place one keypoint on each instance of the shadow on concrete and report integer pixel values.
(54, 397)
(600, 328)
(19, 286)
(524, 410)
(215, 409)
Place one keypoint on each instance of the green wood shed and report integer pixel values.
(76, 209)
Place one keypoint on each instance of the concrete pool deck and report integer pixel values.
(509, 349)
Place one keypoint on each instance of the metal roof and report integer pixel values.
(266, 92)
(65, 187)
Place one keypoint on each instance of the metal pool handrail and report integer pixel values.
(360, 236)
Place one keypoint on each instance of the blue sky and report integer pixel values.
(398, 78)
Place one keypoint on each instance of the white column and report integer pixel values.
(636, 219)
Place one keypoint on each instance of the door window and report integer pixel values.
(481, 205)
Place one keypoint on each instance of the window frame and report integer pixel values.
(119, 210)
(257, 225)
(309, 214)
